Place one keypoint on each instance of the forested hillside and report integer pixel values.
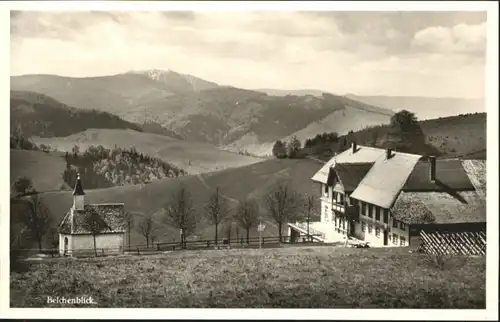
(40, 115)
(101, 168)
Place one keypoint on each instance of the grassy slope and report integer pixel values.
(44, 169)
(340, 121)
(251, 181)
(458, 135)
(312, 277)
(203, 157)
(350, 119)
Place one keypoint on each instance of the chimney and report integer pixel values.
(388, 153)
(354, 147)
(432, 168)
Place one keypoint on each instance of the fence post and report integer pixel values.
(138, 253)
(157, 246)
(102, 251)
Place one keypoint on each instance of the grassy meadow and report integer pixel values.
(44, 169)
(289, 277)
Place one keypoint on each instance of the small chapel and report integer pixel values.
(85, 224)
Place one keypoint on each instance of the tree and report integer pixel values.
(294, 147)
(145, 227)
(279, 149)
(75, 150)
(283, 204)
(129, 219)
(180, 212)
(310, 202)
(217, 210)
(404, 120)
(95, 225)
(247, 215)
(23, 186)
(36, 219)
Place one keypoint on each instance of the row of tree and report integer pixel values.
(291, 150)
(282, 205)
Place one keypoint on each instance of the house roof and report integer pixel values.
(450, 174)
(440, 207)
(363, 154)
(383, 183)
(476, 171)
(350, 175)
(112, 216)
(323, 173)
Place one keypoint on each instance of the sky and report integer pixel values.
(434, 54)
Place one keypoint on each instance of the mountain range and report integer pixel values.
(196, 110)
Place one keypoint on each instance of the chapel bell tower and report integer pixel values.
(78, 194)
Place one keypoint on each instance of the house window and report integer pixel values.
(394, 239)
(377, 213)
(386, 216)
(370, 227)
(341, 198)
(402, 225)
(363, 207)
(394, 223)
(377, 232)
(402, 241)
(363, 226)
(370, 211)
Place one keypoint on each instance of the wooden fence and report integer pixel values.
(254, 242)
(454, 243)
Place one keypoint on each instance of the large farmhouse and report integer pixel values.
(83, 222)
(386, 198)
